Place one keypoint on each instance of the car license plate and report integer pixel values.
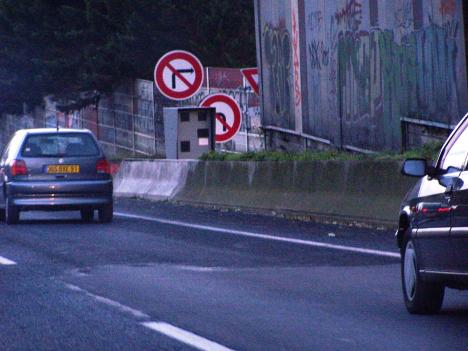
(54, 169)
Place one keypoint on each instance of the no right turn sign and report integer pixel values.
(178, 75)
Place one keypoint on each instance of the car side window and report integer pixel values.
(454, 157)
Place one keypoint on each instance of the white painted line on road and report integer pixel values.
(264, 236)
(185, 337)
(109, 302)
(6, 262)
(164, 328)
(202, 269)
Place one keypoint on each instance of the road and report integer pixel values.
(166, 277)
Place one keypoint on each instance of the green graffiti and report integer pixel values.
(382, 78)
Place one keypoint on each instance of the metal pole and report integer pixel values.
(247, 120)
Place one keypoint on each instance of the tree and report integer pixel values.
(221, 32)
(76, 50)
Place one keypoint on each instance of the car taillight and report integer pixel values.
(102, 166)
(18, 167)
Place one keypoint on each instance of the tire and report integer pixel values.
(106, 213)
(11, 213)
(420, 297)
(87, 214)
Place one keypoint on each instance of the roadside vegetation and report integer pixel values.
(428, 151)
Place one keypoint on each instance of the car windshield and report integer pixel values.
(59, 145)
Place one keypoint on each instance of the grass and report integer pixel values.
(428, 151)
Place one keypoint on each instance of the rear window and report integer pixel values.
(59, 145)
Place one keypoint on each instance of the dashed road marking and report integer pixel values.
(185, 336)
(6, 262)
(123, 308)
(264, 236)
(169, 330)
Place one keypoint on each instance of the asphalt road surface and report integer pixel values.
(165, 277)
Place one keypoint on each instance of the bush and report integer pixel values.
(428, 151)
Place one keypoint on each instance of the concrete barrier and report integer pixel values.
(368, 191)
(153, 179)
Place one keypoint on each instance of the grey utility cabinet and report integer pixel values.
(189, 132)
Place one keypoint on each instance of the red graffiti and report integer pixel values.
(448, 8)
(295, 42)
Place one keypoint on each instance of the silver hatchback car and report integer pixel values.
(55, 169)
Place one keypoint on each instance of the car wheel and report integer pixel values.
(11, 213)
(106, 213)
(420, 297)
(87, 214)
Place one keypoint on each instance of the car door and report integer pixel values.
(459, 232)
(459, 202)
(432, 220)
(435, 208)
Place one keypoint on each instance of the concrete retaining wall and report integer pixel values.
(362, 190)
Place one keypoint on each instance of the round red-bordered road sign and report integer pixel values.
(178, 75)
(228, 115)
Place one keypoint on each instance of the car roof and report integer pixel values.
(51, 130)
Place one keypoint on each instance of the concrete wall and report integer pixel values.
(152, 179)
(359, 190)
(348, 71)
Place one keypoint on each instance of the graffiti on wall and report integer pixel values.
(448, 8)
(296, 63)
(315, 20)
(277, 44)
(319, 54)
(375, 75)
(350, 16)
(416, 77)
(404, 14)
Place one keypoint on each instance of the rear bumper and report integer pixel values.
(60, 195)
(60, 203)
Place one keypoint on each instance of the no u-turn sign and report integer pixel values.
(228, 115)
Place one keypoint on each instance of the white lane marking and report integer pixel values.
(109, 302)
(169, 330)
(202, 269)
(5, 261)
(185, 337)
(264, 236)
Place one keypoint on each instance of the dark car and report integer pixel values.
(433, 225)
(55, 169)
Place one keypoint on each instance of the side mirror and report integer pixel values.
(415, 167)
